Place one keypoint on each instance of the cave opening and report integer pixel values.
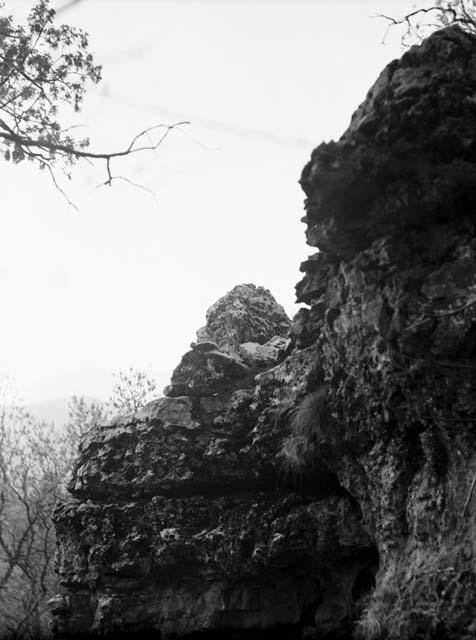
(364, 583)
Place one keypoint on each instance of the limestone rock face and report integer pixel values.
(392, 296)
(179, 565)
(314, 478)
(185, 517)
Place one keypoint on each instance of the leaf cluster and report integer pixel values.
(44, 70)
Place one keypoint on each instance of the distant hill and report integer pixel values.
(55, 410)
(48, 399)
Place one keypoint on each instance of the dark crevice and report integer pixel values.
(318, 485)
(290, 632)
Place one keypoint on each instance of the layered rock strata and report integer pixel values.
(320, 477)
(185, 516)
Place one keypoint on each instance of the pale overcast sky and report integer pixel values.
(126, 280)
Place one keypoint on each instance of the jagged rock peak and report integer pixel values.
(247, 313)
(244, 334)
(406, 160)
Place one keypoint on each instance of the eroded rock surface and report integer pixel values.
(314, 478)
(391, 292)
(179, 565)
(185, 516)
(245, 333)
(246, 314)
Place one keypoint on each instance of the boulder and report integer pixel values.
(247, 313)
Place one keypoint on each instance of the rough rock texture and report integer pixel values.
(244, 334)
(319, 478)
(392, 293)
(246, 314)
(185, 517)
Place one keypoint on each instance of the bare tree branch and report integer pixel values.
(34, 148)
(451, 12)
(111, 178)
(10, 134)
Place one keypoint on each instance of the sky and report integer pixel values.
(126, 279)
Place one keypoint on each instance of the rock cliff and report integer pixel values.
(315, 477)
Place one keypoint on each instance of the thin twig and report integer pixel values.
(452, 312)
(408, 19)
(131, 182)
(468, 497)
(63, 193)
(443, 314)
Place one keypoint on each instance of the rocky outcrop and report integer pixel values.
(185, 516)
(317, 477)
(392, 296)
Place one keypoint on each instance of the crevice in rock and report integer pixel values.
(364, 581)
(318, 487)
(316, 484)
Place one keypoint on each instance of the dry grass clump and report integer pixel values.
(434, 600)
(298, 449)
(369, 627)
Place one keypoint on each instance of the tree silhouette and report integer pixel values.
(443, 13)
